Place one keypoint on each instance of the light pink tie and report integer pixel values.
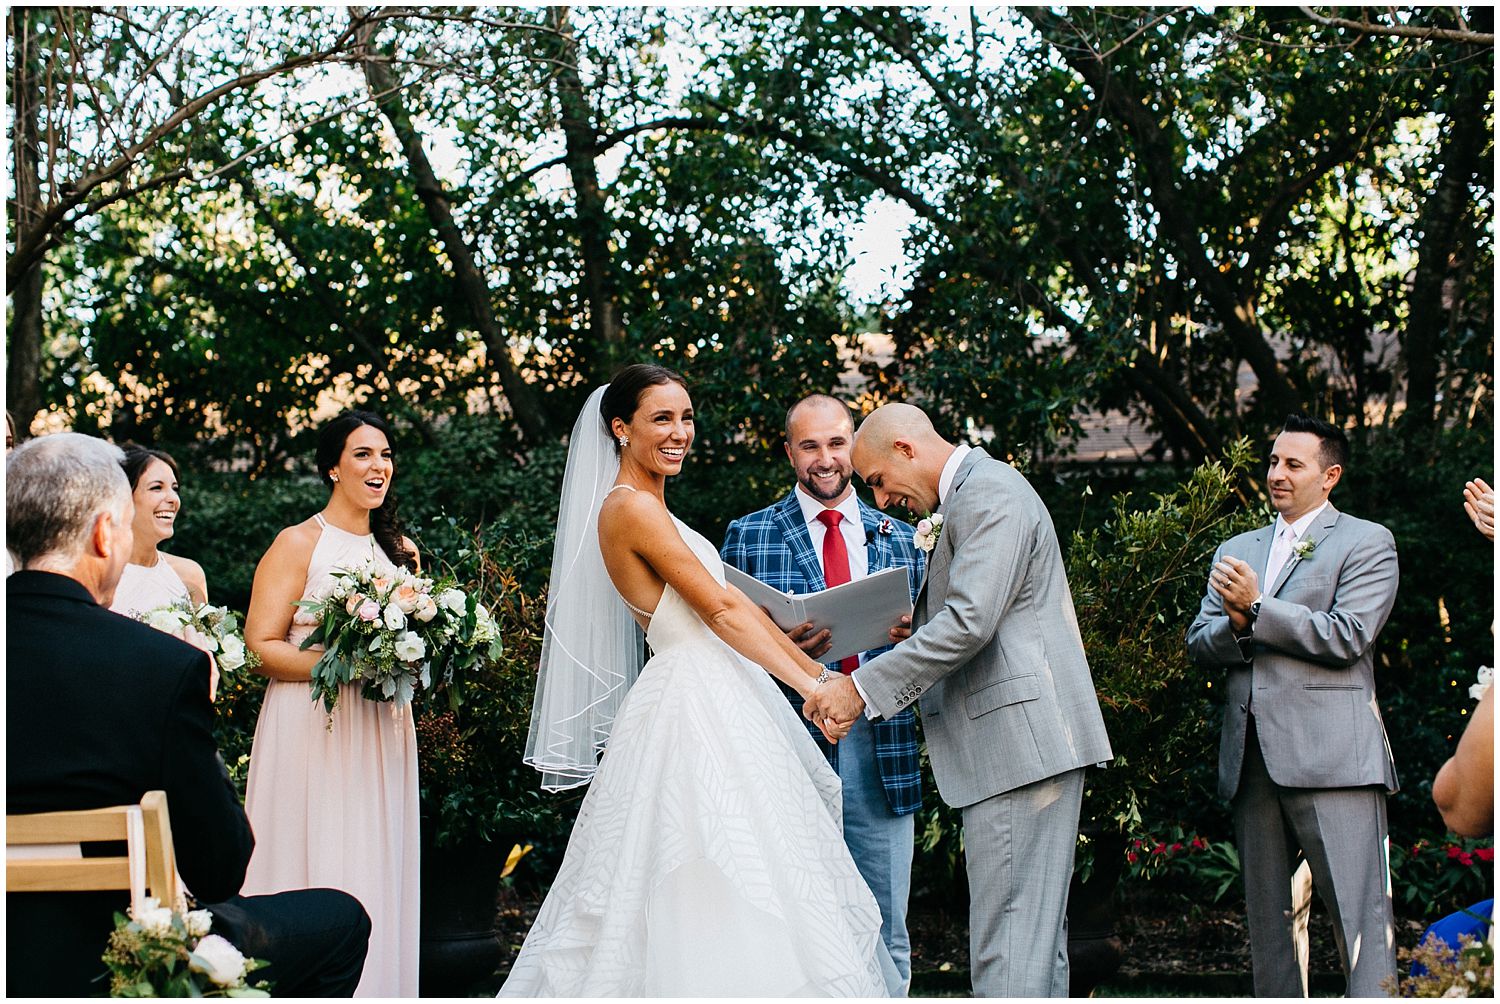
(1281, 550)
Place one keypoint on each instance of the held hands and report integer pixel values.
(1479, 503)
(1238, 585)
(836, 704)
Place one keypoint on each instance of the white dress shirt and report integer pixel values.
(1284, 537)
(950, 471)
(852, 527)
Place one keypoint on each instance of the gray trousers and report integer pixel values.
(1019, 847)
(1340, 834)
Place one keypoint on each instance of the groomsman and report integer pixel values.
(821, 535)
(1008, 706)
(1291, 613)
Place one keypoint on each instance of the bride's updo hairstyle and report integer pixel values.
(385, 522)
(623, 395)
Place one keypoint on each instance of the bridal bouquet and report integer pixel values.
(398, 632)
(216, 630)
(160, 952)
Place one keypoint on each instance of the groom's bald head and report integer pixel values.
(900, 456)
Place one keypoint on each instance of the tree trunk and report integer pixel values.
(385, 89)
(23, 376)
(594, 225)
(1441, 225)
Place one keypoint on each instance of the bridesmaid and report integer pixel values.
(335, 804)
(154, 578)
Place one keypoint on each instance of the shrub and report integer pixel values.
(1137, 582)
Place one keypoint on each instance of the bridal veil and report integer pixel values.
(592, 648)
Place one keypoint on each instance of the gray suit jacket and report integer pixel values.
(1306, 670)
(995, 654)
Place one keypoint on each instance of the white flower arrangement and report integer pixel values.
(156, 951)
(216, 630)
(927, 533)
(1303, 549)
(1485, 677)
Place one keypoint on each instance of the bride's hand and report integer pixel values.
(834, 731)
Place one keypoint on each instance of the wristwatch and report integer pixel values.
(1255, 607)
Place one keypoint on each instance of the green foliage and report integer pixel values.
(1137, 582)
(1437, 877)
(1203, 869)
(474, 784)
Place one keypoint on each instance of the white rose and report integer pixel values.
(394, 618)
(197, 922)
(409, 647)
(220, 961)
(233, 656)
(155, 920)
(426, 609)
(452, 600)
(168, 619)
(484, 625)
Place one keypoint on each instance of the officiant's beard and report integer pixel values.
(812, 487)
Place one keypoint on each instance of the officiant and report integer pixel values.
(820, 535)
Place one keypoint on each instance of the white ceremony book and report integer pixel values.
(859, 615)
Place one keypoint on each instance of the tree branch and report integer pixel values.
(1401, 30)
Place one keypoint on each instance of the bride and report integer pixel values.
(708, 857)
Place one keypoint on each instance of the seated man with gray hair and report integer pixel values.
(102, 709)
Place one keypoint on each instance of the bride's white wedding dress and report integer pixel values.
(708, 858)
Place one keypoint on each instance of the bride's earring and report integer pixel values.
(333, 476)
(623, 440)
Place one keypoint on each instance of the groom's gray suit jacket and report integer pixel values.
(995, 654)
(1307, 669)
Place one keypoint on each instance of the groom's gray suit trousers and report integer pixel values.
(1020, 856)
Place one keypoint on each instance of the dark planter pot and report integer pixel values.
(459, 887)
(1095, 951)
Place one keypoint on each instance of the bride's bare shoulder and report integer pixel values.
(626, 506)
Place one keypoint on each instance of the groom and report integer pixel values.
(820, 534)
(1008, 706)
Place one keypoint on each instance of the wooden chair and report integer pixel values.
(42, 851)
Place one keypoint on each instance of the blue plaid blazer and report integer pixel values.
(773, 545)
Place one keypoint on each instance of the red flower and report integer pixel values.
(1130, 856)
(1454, 851)
(1199, 844)
(1176, 848)
(1466, 859)
(1486, 854)
(1159, 849)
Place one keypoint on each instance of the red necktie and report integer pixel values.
(836, 565)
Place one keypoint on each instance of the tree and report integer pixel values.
(112, 104)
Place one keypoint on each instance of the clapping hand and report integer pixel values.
(1479, 503)
(1238, 585)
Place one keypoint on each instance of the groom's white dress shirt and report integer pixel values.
(945, 483)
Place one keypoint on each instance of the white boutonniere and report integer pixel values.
(928, 532)
(1303, 549)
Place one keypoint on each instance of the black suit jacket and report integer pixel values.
(100, 710)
